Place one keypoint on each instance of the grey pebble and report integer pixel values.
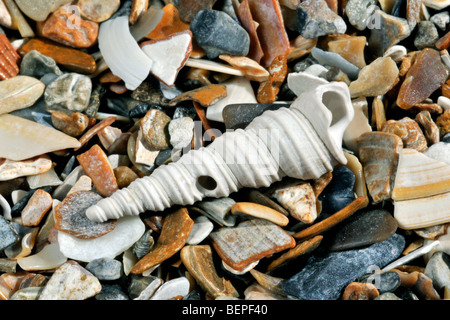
(438, 269)
(105, 268)
(335, 60)
(426, 36)
(35, 64)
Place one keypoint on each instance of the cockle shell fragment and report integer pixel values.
(25, 139)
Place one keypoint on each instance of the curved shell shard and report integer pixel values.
(303, 142)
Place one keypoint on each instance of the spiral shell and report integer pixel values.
(303, 142)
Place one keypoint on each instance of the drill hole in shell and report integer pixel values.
(206, 183)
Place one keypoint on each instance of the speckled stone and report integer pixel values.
(384, 281)
(364, 228)
(315, 18)
(217, 33)
(441, 19)
(324, 276)
(8, 235)
(426, 36)
(70, 91)
(105, 268)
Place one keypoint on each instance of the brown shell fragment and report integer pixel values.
(175, 231)
(409, 131)
(300, 249)
(57, 28)
(8, 59)
(379, 153)
(88, 135)
(70, 216)
(206, 95)
(36, 208)
(360, 291)
(199, 262)
(268, 90)
(245, 17)
(249, 242)
(430, 129)
(96, 165)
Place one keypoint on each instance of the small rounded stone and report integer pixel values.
(98, 10)
(124, 176)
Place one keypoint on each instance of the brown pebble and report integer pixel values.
(57, 28)
(72, 124)
(268, 90)
(360, 291)
(206, 95)
(175, 231)
(430, 129)
(88, 135)
(36, 208)
(124, 176)
(155, 129)
(96, 165)
(260, 211)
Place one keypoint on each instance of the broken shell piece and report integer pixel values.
(138, 8)
(378, 153)
(19, 92)
(351, 49)
(253, 71)
(48, 178)
(168, 55)
(70, 216)
(96, 165)
(6, 208)
(260, 211)
(358, 125)
(419, 176)
(266, 238)
(108, 135)
(24, 139)
(144, 153)
(12, 169)
(422, 212)
(317, 118)
(409, 131)
(122, 53)
(127, 231)
(48, 258)
(199, 262)
(239, 90)
(396, 52)
(299, 200)
(213, 66)
(206, 95)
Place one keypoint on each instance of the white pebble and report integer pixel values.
(444, 102)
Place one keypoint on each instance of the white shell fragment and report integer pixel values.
(48, 178)
(419, 176)
(48, 258)
(239, 90)
(423, 212)
(169, 56)
(359, 124)
(171, 289)
(122, 53)
(200, 230)
(303, 142)
(127, 231)
(13, 169)
(23, 139)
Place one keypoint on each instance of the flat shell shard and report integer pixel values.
(206, 95)
(425, 76)
(250, 241)
(96, 165)
(124, 57)
(19, 92)
(23, 139)
(422, 212)
(12, 169)
(409, 131)
(70, 216)
(378, 153)
(199, 262)
(175, 231)
(245, 17)
(169, 55)
(419, 176)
